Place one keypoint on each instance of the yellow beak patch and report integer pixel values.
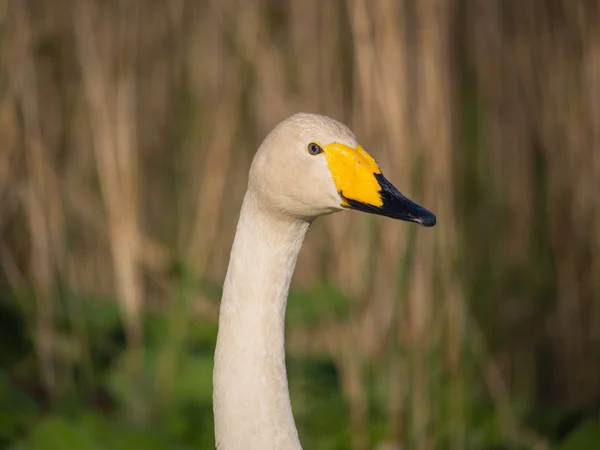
(353, 171)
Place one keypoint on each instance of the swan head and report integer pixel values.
(311, 165)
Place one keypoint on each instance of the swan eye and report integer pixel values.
(314, 149)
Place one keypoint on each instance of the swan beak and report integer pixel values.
(393, 204)
(363, 187)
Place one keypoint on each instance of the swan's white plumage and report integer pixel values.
(287, 189)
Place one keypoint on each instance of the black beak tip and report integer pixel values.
(429, 220)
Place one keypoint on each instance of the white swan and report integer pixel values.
(308, 166)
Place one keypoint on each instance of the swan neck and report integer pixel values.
(251, 398)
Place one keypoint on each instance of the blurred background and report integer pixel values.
(126, 133)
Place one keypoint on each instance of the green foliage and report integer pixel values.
(93, 432)
(17, 410)
(319, 407)
(585, 437)
(175, 383)
(320, 303)
(55, 433)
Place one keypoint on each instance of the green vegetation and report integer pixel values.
(93, 413)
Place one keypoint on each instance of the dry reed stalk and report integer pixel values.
(352, 379)
(41, 199)
(305, 46)
(113, 128)
(214, 175)
(591, 85)
(8, 128)
(436, 135)
(394, 51)
(10, 191)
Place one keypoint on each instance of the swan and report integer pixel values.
(308, 166)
